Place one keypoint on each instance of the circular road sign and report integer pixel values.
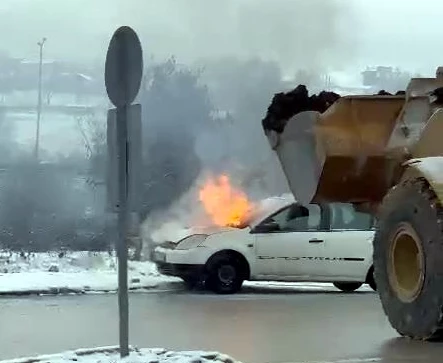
(124, 67)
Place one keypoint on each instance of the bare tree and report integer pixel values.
(93, 131)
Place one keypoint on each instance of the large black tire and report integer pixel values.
(348, 286)
(225, 274)
(408, 260)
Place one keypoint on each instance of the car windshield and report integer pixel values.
(264, 209)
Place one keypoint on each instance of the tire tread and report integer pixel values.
(389, 204)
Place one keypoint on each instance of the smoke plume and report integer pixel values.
(294, 33)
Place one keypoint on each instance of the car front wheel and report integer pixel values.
(224, 275)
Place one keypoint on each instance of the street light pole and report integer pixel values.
(39, 101)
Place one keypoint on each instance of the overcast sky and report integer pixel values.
(342, 34)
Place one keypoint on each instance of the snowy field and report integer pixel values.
(75, 272)
(89, 272)
(110, 355)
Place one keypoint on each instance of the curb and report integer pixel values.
(55, 291)
(78, 352)
(72, 355)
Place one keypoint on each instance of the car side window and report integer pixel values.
(344, 217)
(304, 218)
(299, 218)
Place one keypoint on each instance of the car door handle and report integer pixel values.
(315, 240)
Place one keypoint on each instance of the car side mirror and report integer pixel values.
(267, 227)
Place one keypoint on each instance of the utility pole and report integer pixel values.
(39, 101)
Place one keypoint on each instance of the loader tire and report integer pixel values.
(408, 260)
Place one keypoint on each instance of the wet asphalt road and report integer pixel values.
(256, 326)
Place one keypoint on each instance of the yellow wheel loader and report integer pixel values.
(384, 154)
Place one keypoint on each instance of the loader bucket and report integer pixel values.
(296, 150)
(339, 155)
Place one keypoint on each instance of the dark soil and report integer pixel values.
(286, 105)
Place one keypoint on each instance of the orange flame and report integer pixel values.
(224, 204)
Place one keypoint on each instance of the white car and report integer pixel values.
(283, 241)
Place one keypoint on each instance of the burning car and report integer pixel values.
(278, 239)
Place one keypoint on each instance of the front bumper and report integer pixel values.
(180, 270)
(193, 256)
(180, 263)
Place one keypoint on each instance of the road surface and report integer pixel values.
(256, 326)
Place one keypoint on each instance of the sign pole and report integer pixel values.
(123, 74)
(122, 248)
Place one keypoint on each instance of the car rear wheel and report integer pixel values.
(347, 286)
(225, 274)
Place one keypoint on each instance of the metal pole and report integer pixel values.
(122, 248)
(39, 101)
(123, 72)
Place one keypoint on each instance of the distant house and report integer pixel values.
(388, 78)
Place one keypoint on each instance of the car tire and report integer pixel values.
(408, 250)
(225, 274)
(348, 286)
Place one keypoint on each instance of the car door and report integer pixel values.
(293, 246)
(349, 242)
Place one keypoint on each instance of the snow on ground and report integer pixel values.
(87, 272)
(74, 272)
(111, 355)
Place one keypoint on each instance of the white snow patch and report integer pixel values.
(73, 272)
(111, 355)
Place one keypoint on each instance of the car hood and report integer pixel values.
(212, 230)
(217, 232)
